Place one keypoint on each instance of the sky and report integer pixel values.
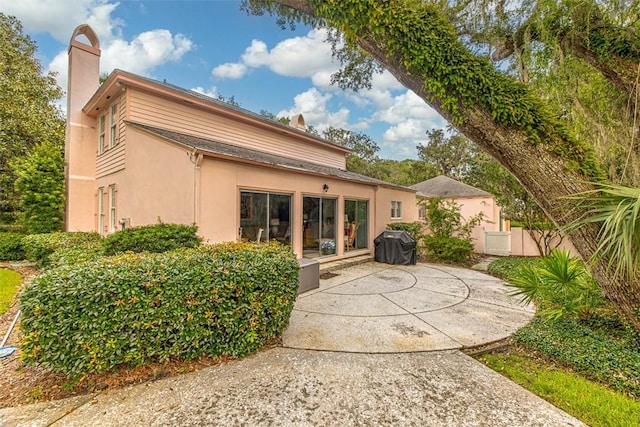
(211, 46)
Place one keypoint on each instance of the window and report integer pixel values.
(356, 226)
(101, 210)
(319, 226)
(396, 209)
(112, 208)
(112, 125)
(265, 216)
(101, 134)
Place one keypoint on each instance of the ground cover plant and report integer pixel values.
(591, 402)
(594, 343)
(9, 284)
(135, 309)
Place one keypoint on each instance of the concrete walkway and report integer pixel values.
(377, 316)
(380, 308)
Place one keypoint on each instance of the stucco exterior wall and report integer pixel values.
(154, 111)
(472, 206)
(152, 187)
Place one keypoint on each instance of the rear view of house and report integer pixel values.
(139, 150)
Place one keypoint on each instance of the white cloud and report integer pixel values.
(212, 92)
(59, 18)
(230, 71)
(312, 104)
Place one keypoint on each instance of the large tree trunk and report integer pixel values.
(393, 36)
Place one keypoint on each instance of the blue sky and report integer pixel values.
(214, 48)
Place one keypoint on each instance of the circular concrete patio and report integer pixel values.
(381, 308)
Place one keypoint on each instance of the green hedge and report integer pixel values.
(451, 249)
(76, 254)
(38, 247)
(152, 238)
(413, 228)
(132, 309)
(11, 247)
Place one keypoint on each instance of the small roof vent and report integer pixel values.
(297, 122)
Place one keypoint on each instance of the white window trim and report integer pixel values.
(112, 208)
(101, 210)
(101, 131)
(396, 209)
(112, 125)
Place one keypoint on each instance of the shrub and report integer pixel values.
(132, 309)
(40, 182)
(11, 246)
(452, 249)
(76, 254)
(560, 284)
(152, 238)
(38, 247)
(413, 228)
(508, 267)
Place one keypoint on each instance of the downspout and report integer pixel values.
(196, 159)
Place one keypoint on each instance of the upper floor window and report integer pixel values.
(101, 130)
(396, 209)
(112, 125)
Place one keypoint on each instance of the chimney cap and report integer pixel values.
(297, 122)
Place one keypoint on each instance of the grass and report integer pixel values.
(593, 403)
(9, 284)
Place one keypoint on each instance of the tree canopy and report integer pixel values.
(440, 50)
(28, 115)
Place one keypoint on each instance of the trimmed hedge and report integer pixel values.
(74, 255)
(38, 247)
(132, 309)
(452, 249)
(152, 238)
(11, 247)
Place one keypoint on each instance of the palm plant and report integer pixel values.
(560, 285)
(617, 208)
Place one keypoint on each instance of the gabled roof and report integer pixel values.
(223, 150)
(445, 187)
(119, 79)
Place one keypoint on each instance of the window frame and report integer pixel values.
(101, 133)
(113, 109)
(101, 210)
(112, 208)
(396, 209)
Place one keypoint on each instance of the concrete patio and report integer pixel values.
(381, 308)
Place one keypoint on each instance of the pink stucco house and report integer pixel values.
(139, 150)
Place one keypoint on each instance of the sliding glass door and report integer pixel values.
(356, 213)
(318, 226)
(265, 216)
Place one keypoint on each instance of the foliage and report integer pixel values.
(617, 209)
(72, 255)
(606, 354)
(40, 183)
(39, 247)
(132, 309)
(415, 229)
(159, 237)
(560, 284)
(363, 156)
(9, 284)
(447, 155)
(509, 267)
(27, 112)
(452, 249)
(444, 219)
(589, 401)
(11, 246)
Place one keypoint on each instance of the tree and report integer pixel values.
(364, 150)
(27, 113)
(421, 44)
(447, 155)
(40, 183)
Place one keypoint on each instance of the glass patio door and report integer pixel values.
(318, 226)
